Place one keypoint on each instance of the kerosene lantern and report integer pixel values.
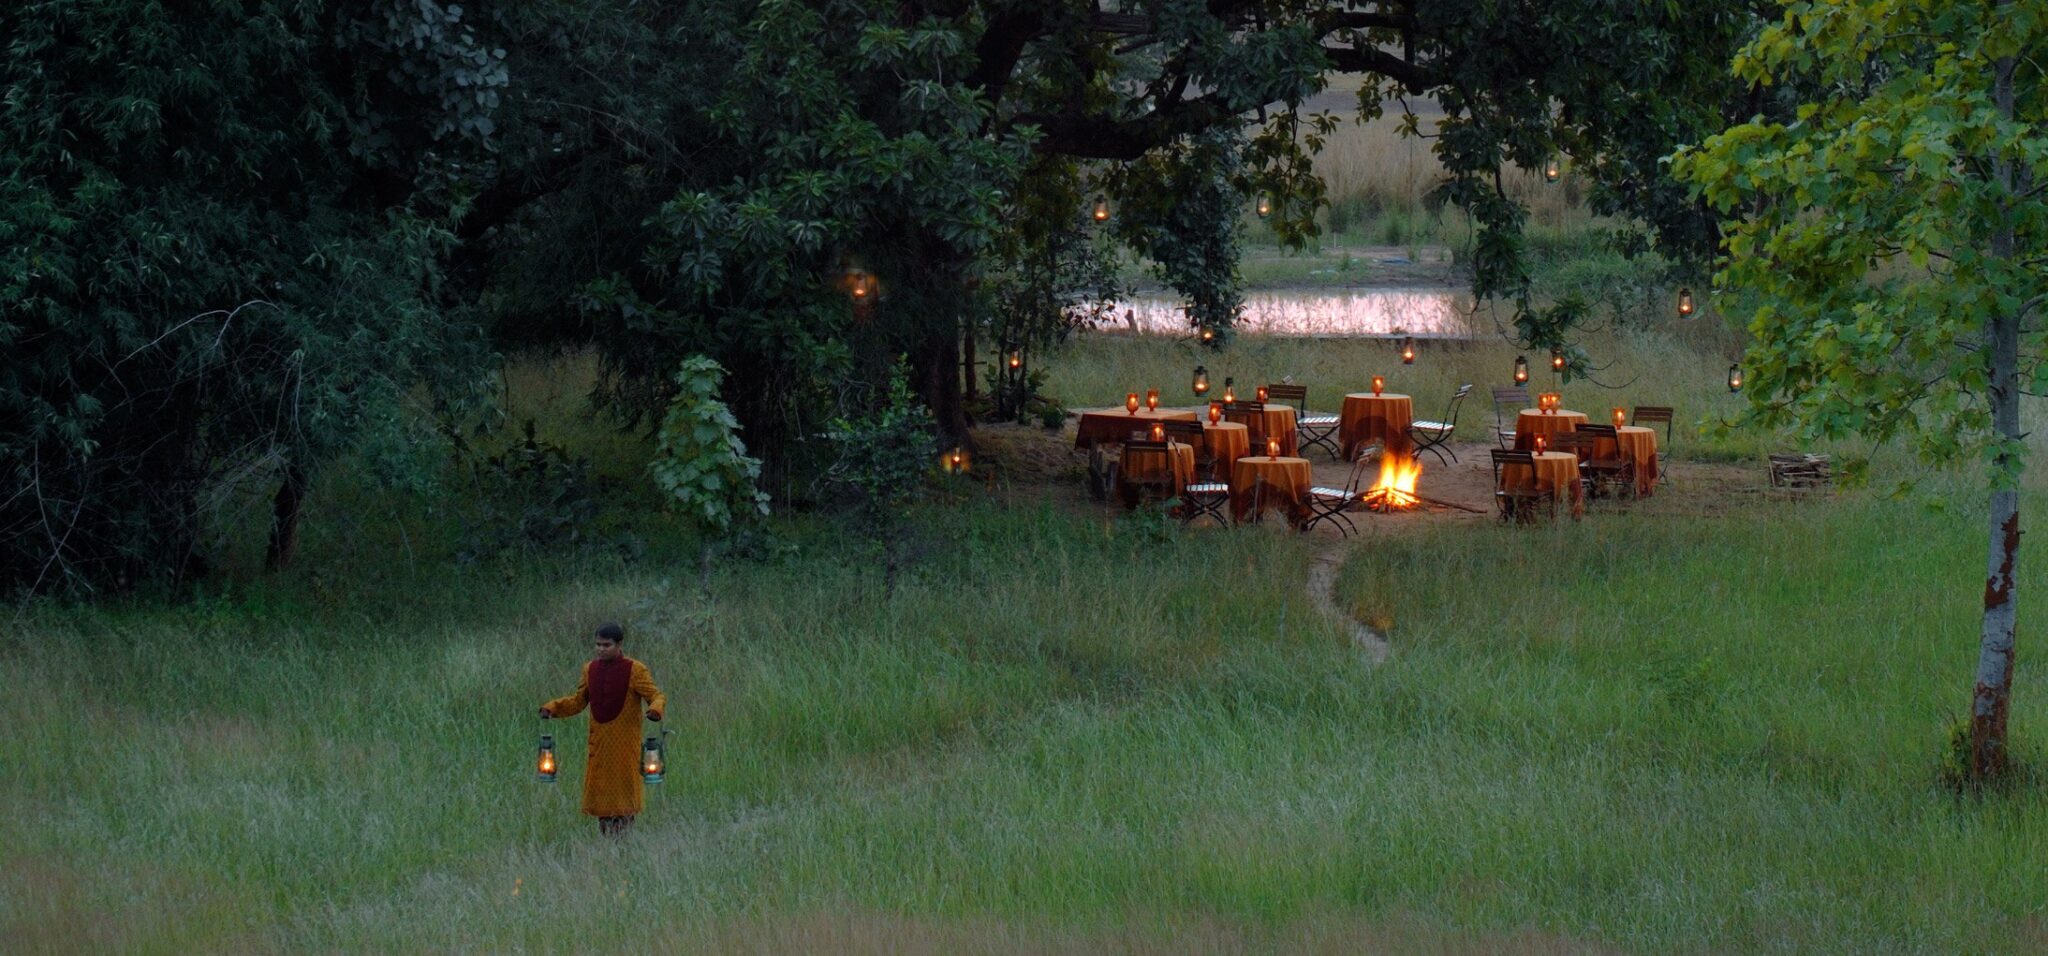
(653, 758)
(544, 765)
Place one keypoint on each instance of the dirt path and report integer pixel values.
(1322, 591)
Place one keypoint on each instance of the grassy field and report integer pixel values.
(1066, 734)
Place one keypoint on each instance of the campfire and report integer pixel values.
(1396, 487)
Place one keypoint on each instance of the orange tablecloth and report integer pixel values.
(1116, 425)
(1531, 423)
(1556, 471)
(1277, 421)
(1136, 465)
(1367, 417)
(1638, 445)
(1227, 441)
(1286, 485)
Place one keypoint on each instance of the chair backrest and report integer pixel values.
(1252, 416)
(1596, 430)
(1579, 443)
(1510, 456)
(1510, 398)
(1653, 414)
(1298, 394)
(1244, 405)
(1188, 433)
(1366, 459)
(1457, 399)
(1164, 480)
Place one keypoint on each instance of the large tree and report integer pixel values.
(1893, 235)
(707, 177)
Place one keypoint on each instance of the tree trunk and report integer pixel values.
(939, 382)
(1989, 703)
(968, 357)
(284, 519)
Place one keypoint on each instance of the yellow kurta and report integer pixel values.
(611, 777)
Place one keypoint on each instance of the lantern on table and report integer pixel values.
(653, 758)
(1552, 169)
(1261, 393)
(1101, 211)
(1158, 432)
(1201, 380)
(1735, 378)
(1620, 417)
(1131, 402)
(1408, 350)
(1379, 384)
(1541, 443)
(1684, 302)
(1557, 360)
(1229, 391)
(1272, 448)
(1215, 412)
(1151, 399)
(544, 764)
(1265, 205)
(1521, 370)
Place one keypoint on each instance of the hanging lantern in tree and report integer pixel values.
(1553, 169)
(954, 462)
(1229, 390)
(1684, 302)
(1265, 206)
(544, 765)
(1735, 377)
(1557, 360)
(653, 758)
(860, 285)
(1408, 350)
(1521, 370)
(1208, 335)
(1016, 359)
(1101, 210)
(1201, 380)
(1151, 399)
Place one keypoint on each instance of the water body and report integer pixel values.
(1433, 313)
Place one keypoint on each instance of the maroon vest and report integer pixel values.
(609, 682)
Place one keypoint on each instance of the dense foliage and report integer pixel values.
(1893, 234)
(218, 248)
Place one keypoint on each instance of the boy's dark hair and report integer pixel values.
(611, 632)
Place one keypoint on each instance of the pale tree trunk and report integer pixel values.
(1990, 701)
(285, 510)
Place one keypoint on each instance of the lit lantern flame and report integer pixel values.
(1552, 169)
(1396, 487)
(1556, 360)
(1016, 360)
(1379, 384)
(1158, 432)
(1272, 448)
(954, 462)
(1521, 370)
(1201, 380)
(1215, 412)
(860, 285)
(1151, 399)
(1265, 206)
(1684, 302)
(1408, 351)
(652, 761)
(1208, 335)
(1620, 418)
(1229, 392)
(1131, 402)
(1101, 211)
(1541, 444)
(544, 766)
(1735, 378)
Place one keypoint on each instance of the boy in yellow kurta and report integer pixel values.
(614, 686)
